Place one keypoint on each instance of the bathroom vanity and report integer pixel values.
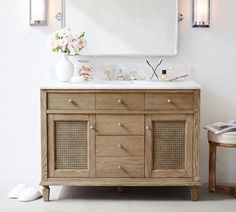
(120, 134)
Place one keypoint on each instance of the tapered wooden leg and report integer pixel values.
(120, 189)
(194, 193)
(46, 193)
(212, 168)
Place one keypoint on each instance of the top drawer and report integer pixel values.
(119, 101)
(169, 101)
(71, 101)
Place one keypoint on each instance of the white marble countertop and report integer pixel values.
(122, 85)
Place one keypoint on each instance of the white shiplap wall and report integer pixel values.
(25, 63)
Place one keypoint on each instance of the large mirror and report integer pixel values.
(125, 27)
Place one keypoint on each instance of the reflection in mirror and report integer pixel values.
(125, 27)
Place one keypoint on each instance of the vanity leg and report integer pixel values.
(46, 193)
(194, 192)
(120, 189)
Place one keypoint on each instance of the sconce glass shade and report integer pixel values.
(38, 12)
(201, 13)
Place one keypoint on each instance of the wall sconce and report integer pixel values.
(38, 12)
(201, 13)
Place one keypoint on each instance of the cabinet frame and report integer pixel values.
(187, 171)
(64, 173)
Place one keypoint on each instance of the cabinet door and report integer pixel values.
(71, 146)
(169, 145)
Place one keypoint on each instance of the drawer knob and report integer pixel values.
(120, 124)
(70, 101)
(91, 127)
(119, 167)
(148, 128)
(169, 101)
(120, 145)
(120, 101)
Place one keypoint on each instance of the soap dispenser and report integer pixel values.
(164, 76)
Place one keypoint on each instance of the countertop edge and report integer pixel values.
(188, 85)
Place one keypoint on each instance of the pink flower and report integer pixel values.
(73, 49)
(81, 43)
(69, 37)
(63, 42)
(75, 36)
(67, 41)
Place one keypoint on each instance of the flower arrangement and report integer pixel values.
(68, 42)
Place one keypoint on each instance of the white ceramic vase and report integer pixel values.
(64, 69)
(75, 61)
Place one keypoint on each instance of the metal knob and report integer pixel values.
(120, 124)
(120, 101)
(148, 128)
(169, 101)
(91, 127)
(70, 100)
(120, 145)
(119, 167)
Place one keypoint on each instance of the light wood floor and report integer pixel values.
(76, 199)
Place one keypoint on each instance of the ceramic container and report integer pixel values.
(64, 69)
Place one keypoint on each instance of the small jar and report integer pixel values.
(120, 76)
(133, 76)
(106, 76)
(164, 76)
(83, 71)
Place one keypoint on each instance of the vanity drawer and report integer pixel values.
(120, 146)
(120, 124)
(119, 167)
(169, 101)
(120, 101)
(71, 101)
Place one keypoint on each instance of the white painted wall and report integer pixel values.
(25, 62)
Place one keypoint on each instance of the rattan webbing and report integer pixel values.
(168, 145)
(71, 144)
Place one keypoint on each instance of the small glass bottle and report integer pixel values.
(133, 76)
(106, 76)
(120, 76)
(164, 76)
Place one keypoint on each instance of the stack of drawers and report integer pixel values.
(119, 138)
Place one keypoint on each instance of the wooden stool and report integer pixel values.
(227, 140)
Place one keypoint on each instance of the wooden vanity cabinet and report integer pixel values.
(120, 138)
